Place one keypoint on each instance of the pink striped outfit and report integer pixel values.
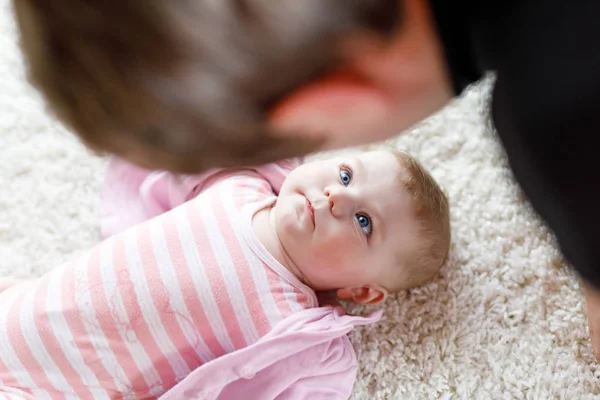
(150, 304)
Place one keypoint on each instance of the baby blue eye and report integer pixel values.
(346, 177)
(365, 224)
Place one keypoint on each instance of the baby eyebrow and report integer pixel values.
(378, 227)
(359, 165)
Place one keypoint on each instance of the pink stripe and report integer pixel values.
(253, 192)
(185, 281)
(273, 279)
(105, 314)
(249, 190)
(6, 376)
(242, 266)
(160, 296)
(279, 294)
(50, 341)
(215, 275)
(79, 332)
(22, 350)
(304, 300)
(275, 285)
(137, 323)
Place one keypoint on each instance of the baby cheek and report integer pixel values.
(287, 219)
(336, 251)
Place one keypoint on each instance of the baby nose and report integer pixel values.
(340, 201)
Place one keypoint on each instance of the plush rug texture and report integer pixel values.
(504, 319)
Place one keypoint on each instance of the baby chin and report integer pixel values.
(296, 217)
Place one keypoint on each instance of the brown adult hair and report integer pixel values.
(186, 85)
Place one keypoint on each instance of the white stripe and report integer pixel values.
(168, 276)
(150, 314)
(200, 279)
(36, 345)
(257, 267)
(41, 394)
(290, 295)
(111, 285)
(228, 268)
(252, 186)
(311, 297)
(7, 353)
(263, 287)
(95, 334)
(62, 332)
(8, 393)
(16, 394)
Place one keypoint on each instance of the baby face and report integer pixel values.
(347, 222)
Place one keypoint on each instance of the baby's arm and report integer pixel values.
(5, 283)
(276, 173)
(132, 194)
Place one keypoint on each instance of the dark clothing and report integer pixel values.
(545, 105)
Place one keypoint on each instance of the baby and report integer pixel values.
(223, 258)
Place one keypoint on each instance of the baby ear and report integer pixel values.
(368, 295)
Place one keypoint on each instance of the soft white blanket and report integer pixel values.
(505, 319)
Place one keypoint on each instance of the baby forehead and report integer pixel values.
(378, 170)
(395, 205)
(380, 161)
(383, 169)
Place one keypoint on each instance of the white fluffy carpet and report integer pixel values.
(505, 319)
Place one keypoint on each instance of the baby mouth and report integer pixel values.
(311, 211)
